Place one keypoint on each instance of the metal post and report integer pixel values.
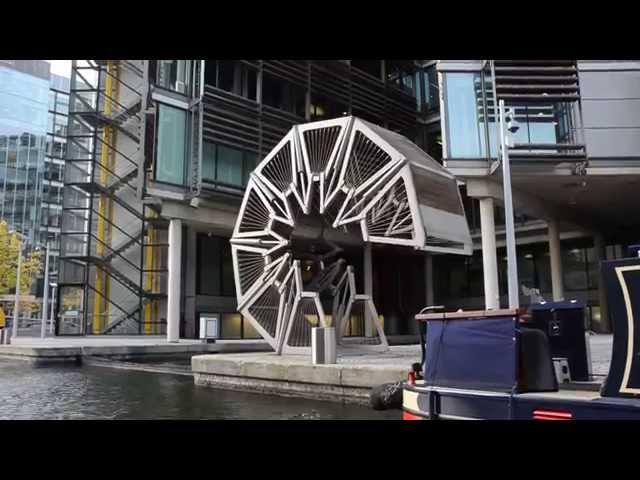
(52, 311)
(369, 329)
(428, 277)
(512, 267)
(555, 260)
(45, 296)
(601, 254)
(16, 303)
(173, 290)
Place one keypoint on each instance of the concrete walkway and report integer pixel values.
(65, 349)
(350, 380)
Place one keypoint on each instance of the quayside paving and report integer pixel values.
(61, 350)
(349, 381)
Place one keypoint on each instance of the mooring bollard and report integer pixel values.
(323, 345)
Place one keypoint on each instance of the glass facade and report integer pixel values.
(24, 105)
(283, 95)
(215, 270)
(53, 182)
(466, 137)
(174, 75)
(402, 75)
(428, 89)
(171, 149)
(214, 278)
(234, 326)
(225, 165)
(471, 118)
(458, 281)
(232, 76)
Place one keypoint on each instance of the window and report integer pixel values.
(279, 93)
(171, 148)
(209, 261)
(175, 75)
(232, 76)
(431, 89)
(372, 67)
(593, 267)
(235, 326)
(229, 165)
(323, 108)
(231, 326)
(226, 165)
(209, 161)
(544, 123)
(465, 136)
(214, 267)
(402, 75)
(248, 330)
(250, 162)
(574, 266)
(543, 270)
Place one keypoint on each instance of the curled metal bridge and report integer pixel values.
(326, 189)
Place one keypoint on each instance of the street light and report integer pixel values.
(16, 302)
(509, 125)
(45, 296)
(53, 303)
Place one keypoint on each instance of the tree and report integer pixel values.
(31, 267)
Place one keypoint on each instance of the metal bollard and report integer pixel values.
(5, 336)
(323, 345)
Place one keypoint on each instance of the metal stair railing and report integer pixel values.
(106, 101)
(123, 314)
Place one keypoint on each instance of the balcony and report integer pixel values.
(543, 99)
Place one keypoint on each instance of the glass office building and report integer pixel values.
(33, 128)
(24, 97)
(53, 180)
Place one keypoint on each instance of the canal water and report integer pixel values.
(92, 393)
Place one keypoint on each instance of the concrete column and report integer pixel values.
(555, 257)
(173, 283)
(489, 256)
(428, 279)
(601, 254)
(368, 287)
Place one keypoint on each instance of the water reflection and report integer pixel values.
(65, 393)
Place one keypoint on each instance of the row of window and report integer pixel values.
(225, 165)
(242, 79)
(461, 277)
(220, 164)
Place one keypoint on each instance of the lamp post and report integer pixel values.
(506, 127)
(53, 303)
(16, 302)
(45, 296)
